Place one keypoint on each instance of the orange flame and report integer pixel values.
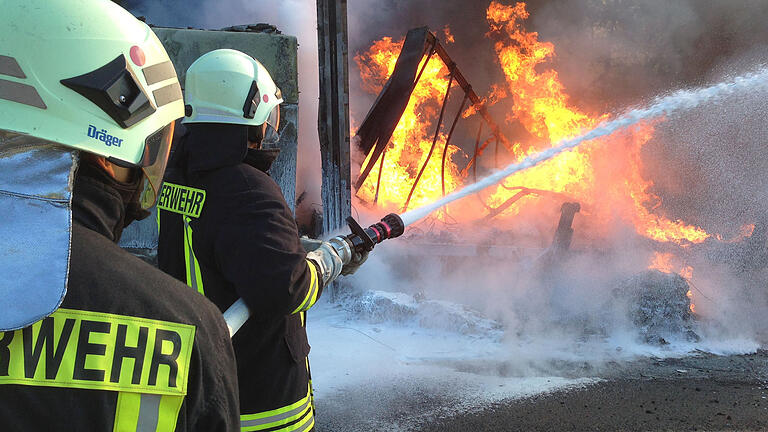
(542, 107)
(412, 139)
(606, 179)
(449, 39)
(662, 262)
(745, 232)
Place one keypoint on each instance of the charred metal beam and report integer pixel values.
(381, 121)
(564, 234)
(508, 203)
(524, 191)
(464, 84)
(432, 148)
(333, 112)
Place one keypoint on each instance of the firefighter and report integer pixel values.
(91, 337)
(227, 231)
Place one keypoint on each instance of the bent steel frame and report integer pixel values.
(382, 119)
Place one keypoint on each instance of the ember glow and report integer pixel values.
(606, 178)
(666, 262)
(662, 262)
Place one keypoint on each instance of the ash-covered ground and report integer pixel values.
(700, 391)
(396, 362)
(507, 338)
(377, 376)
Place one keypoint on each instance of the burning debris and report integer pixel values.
(535, 99)
(608, 179)
(660, 306)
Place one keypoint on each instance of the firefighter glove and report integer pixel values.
(357, 260)
(328, 260)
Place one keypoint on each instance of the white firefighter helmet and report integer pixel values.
(87, 74)
(75, 75)
(229, 86)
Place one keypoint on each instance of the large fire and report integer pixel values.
(606, 178)
(541, 105)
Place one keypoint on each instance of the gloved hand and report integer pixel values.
(357, 260)
(328, 260)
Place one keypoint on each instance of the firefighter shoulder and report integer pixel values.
(91, 337)
(227, 231)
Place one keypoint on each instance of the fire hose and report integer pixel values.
(360, 241)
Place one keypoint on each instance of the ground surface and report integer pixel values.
(398, 377)
(699, 393)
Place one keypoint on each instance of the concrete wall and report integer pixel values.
(278, 53)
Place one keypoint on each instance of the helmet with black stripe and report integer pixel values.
(231, 87)
(87, 74)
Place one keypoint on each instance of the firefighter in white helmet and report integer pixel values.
(91, 337)
(237, 237)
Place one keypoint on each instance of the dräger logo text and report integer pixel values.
(103, 136)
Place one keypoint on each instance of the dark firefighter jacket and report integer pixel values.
(130, 349)
(227, 231)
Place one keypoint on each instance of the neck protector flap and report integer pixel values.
(36, 180)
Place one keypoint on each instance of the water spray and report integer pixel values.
(391, 226)
(678, 101)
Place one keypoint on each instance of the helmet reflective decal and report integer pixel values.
(165, 95)
(21, 93)
(159, 72)
(9, 66)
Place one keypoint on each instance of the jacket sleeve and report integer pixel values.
(259, 252)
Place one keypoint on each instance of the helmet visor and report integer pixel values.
(156, 149)
(271, 127)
